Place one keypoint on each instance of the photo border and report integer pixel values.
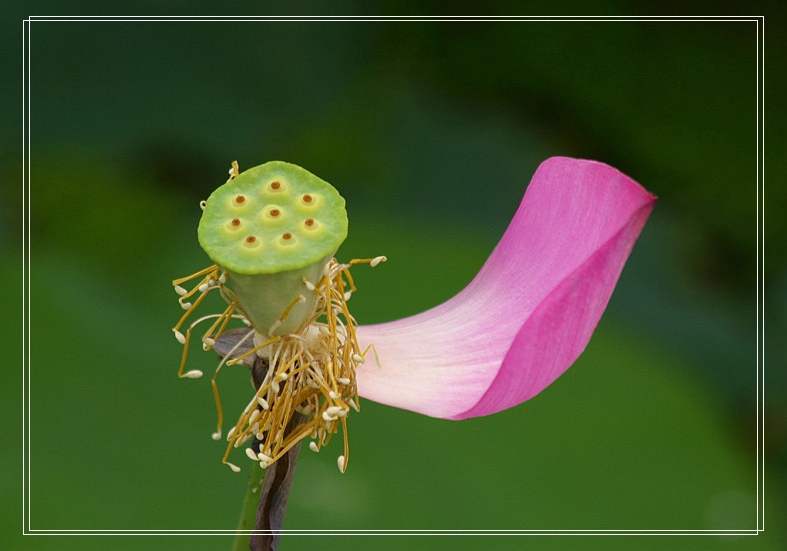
(760, 286)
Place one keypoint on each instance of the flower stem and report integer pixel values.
(266, 498)
(249, 512)
(273, 501)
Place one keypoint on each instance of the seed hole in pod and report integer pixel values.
(309, 222)
(272, 212)
(287, 239)
(240, 199)
(308, 199)
(235, 224)
(251, 241)
(275, 185)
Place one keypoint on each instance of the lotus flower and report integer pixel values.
(530, 311)
(520, 323)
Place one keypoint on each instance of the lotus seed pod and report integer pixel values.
(269, 228)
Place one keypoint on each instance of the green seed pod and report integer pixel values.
(269, 228)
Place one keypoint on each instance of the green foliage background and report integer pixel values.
(431, 130)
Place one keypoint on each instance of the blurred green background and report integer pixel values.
(132, 123)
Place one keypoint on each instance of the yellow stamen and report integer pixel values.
(202, 272)
(234, 170)
(254, 350)
(215, 386)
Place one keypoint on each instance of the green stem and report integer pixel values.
(248, 515)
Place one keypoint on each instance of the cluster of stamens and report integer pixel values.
(310, 373)
(212, 278)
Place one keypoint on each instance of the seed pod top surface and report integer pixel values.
(272, 218)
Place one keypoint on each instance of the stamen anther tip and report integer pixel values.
(193, 374)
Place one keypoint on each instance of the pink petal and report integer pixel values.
(529, 312)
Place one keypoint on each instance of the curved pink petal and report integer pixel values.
(531, 309)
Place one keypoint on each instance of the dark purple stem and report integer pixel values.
(278, 479)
